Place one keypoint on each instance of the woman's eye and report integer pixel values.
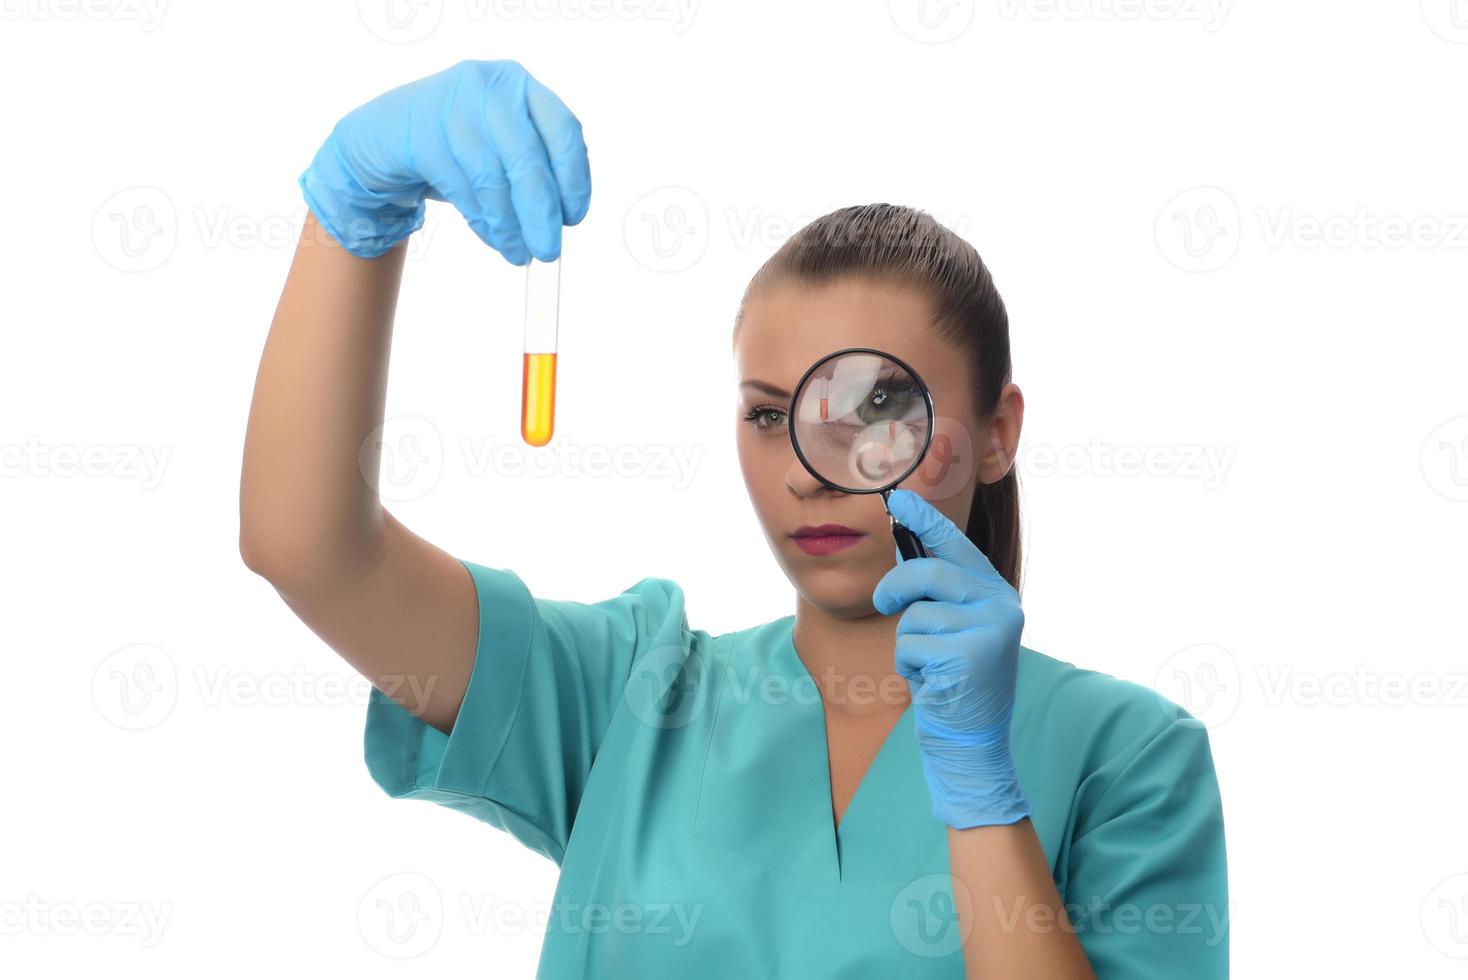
(761, 417)
(888, 403)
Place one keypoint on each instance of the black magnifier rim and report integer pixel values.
(927, 401)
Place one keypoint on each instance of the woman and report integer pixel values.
(870, 787)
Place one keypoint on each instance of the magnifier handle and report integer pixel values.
(908, 544)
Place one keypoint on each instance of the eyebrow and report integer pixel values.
(766, 387)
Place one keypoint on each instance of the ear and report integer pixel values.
(1002, 435)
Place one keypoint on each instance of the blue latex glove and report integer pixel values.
(484, 136)
(959, 653)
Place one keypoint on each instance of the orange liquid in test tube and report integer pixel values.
(538, 381)
(538, 404)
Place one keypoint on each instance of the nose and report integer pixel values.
(800, 481)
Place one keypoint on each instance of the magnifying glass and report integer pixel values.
(861, 421)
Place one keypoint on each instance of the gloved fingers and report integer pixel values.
(488, 189)
(926, 578)
(912, 654)
(465, 138)
(967, 656)
(447, 177)
(562, 135)
(994, 620)
(533, 189)
(941, 618)
(961, 689)
(928, 663)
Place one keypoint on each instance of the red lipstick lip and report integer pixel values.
(823, 530)
(826, 539)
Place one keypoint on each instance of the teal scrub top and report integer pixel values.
(680, 782)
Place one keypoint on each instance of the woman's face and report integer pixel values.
(787, 327)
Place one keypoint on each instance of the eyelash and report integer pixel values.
(753, 415)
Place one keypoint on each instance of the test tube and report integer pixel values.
(542, 313)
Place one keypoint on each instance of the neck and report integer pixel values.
(851, 659)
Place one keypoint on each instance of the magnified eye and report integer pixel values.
(890, 399)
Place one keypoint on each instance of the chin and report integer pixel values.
(841, 592)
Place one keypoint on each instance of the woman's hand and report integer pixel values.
(483, 135)
(959, 653)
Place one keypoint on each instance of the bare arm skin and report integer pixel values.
(1014, 924)
(401, 611)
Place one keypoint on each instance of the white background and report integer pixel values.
(1232, 240)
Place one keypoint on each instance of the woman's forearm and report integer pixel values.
(1011, 918)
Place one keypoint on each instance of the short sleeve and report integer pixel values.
(1148, 884)
(548, 676)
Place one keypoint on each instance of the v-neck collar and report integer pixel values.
(766, 791)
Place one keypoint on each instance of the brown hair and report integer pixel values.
(911, 248)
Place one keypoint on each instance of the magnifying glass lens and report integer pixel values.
(861, 421)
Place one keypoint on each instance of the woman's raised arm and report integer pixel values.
(398, 609)
(504, 150)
